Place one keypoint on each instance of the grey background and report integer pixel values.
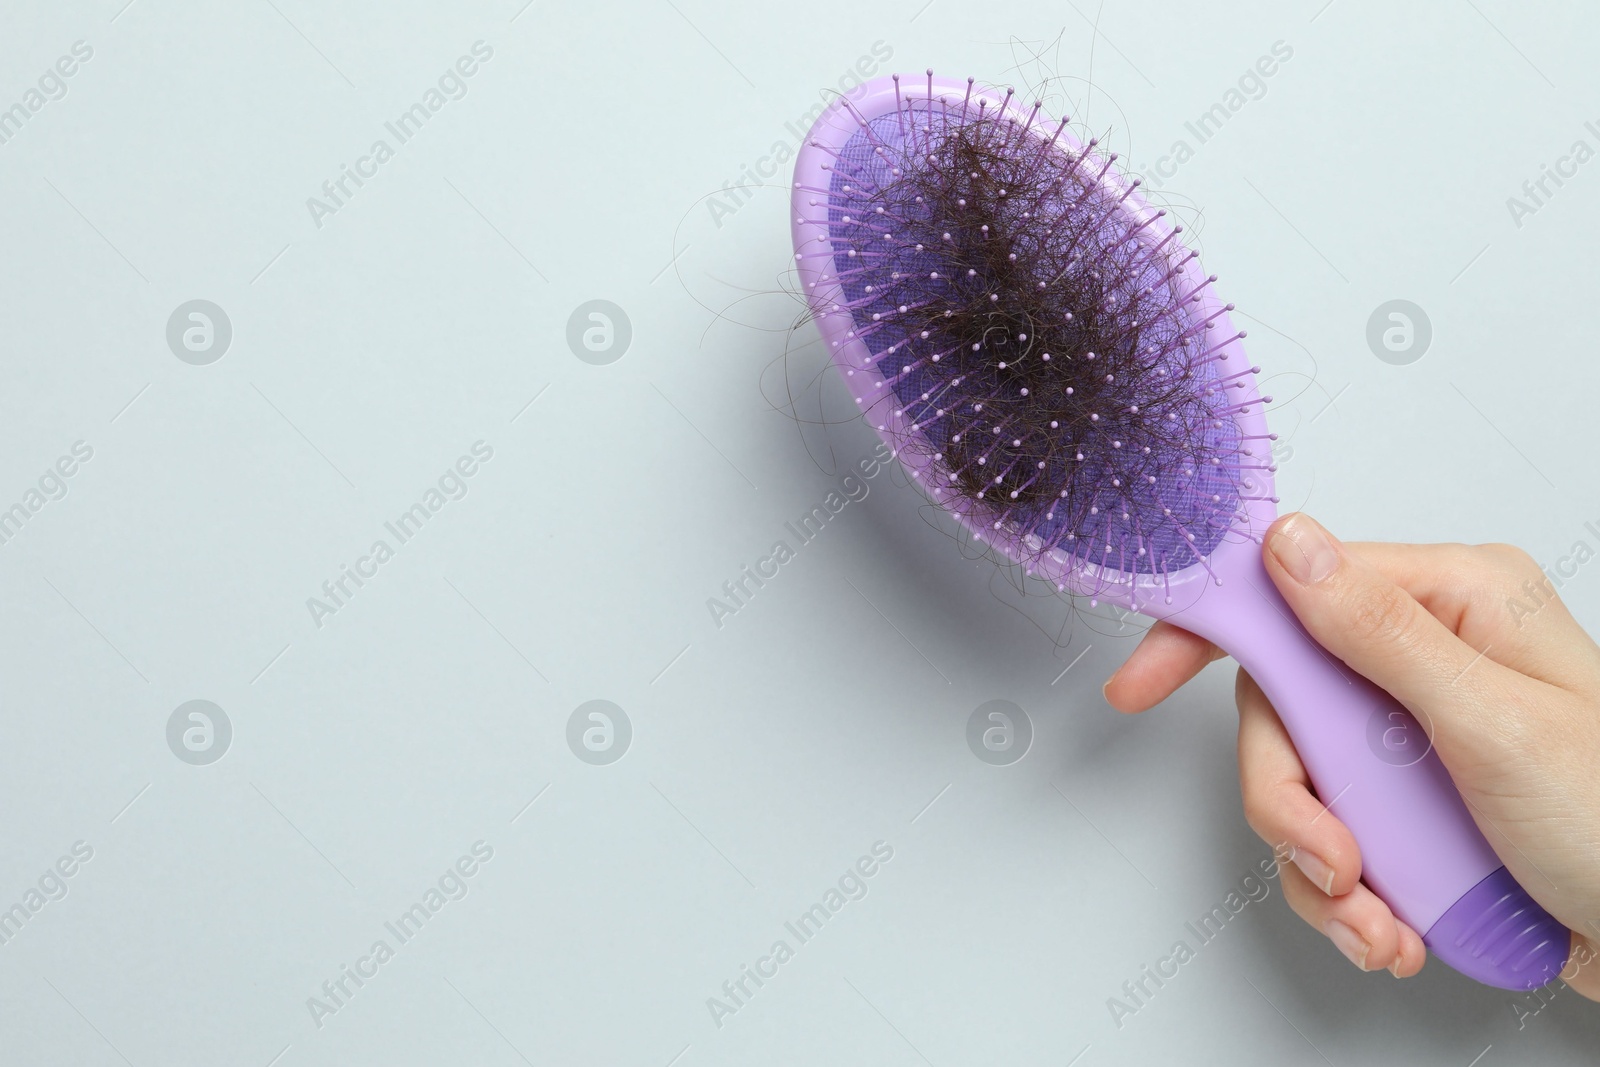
(368, 354)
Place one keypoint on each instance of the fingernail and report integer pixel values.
(1313, 867)
(1394, 968)
(1304, 549)
(1347, 941)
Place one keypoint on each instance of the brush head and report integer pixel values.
(1030, 336)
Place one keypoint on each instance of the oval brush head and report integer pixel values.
(1030, 336)
(1048, 361)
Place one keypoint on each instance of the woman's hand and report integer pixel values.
(1474, 641)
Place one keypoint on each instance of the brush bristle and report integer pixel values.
(1038, 335)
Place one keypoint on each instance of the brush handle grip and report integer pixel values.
(1373, 766)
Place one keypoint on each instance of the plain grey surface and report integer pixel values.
(376, 340)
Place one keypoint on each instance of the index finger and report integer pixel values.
(1167, 657)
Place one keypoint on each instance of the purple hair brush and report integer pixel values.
(1050, 365)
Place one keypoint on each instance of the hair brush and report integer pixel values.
(1050, 365)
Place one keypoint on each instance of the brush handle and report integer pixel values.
(1373, 765)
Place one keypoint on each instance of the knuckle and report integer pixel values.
(1303, 899)
(1381, 615)
(1267, 802)
(1256, 816)
(1337, 848)
(1256, 795)
(1509, 559)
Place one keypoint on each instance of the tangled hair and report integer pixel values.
(1039, 336)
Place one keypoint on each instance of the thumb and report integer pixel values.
(1381, 632)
